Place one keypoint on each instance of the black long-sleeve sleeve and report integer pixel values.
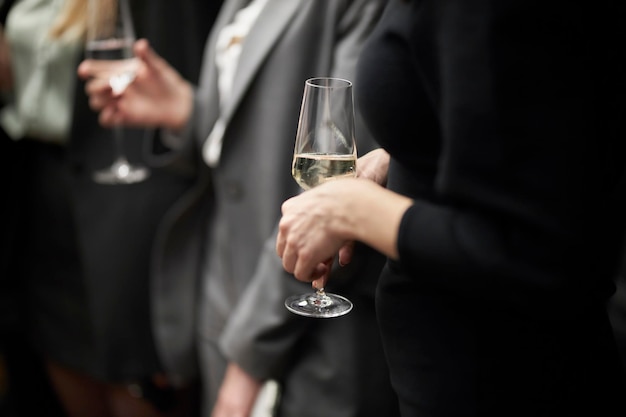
(509, 145)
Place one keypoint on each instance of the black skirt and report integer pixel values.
(44, 262)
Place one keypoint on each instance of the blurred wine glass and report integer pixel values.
(110, 39)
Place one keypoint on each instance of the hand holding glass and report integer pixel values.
(325, 150)
(110, 39)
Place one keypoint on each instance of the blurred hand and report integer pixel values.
(237, 394)
(157, 97)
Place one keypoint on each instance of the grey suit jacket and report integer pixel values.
(336, 364)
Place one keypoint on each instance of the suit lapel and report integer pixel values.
(267, 30)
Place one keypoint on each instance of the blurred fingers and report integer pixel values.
(99, 93)
(108, 117)
(345, 253)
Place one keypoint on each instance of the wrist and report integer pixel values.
(354, 210)
(180, 112)
(377, 214)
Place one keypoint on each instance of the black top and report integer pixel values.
(502, 120)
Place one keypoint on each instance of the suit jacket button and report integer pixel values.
(233, 190)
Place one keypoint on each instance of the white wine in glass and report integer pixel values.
(311, 169)
(110, 39)
(325, 150)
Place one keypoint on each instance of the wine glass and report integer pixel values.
(325, 150)
(110, 38)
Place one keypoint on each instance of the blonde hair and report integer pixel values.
(72, 21)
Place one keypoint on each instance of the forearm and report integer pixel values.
(373, 217)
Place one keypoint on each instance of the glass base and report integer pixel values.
(121, 173)
(319, 305)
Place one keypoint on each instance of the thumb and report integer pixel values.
(144, 51)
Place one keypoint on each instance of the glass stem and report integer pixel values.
(118, 136)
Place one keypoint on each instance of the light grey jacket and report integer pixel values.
(336, 365)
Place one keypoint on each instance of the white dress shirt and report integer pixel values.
(229, 45)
